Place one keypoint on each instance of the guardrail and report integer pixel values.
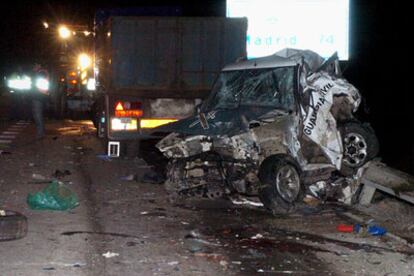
(379, 176)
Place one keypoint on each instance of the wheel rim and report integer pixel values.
(288, 183)
(355, 150)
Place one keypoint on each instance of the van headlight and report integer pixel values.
(20, 83)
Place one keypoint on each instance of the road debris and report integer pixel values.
(345, 228)
(359, 219)
(61, 174)
(236, 262)
(173, 263)
(110, 254)
(210, 256)
(246, 202)
(373, 230)
(312, 201)
(104, 157)
(129, 177)
(257, 236)
(39, 177)
(56, 196)
(224, 263)
(194, 242)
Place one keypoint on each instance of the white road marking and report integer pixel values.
(18, 127)
(7, 136)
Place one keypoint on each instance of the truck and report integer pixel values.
(154, 70)
(75, 93)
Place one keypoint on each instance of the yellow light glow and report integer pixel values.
(86, 33)
(124, 124)
(152, 123)
(64, 32)
(84, 61)
(46, 25)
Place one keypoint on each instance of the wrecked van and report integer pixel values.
(274, 127)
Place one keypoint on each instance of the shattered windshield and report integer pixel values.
(268, 87)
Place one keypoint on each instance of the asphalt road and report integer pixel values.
(149, 236)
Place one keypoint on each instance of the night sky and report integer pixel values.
(379, 55)
(24, 40)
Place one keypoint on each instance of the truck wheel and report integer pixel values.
(282, 185)
(360, 146)
(13, 226)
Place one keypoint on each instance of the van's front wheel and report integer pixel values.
(360, 146)
(282, 185)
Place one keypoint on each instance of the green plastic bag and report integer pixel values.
(56, 196)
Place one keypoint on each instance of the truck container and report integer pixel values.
(155, 70)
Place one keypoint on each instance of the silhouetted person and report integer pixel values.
(40, 91)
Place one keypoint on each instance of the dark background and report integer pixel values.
(379, 65)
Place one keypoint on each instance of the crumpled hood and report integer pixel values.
(219, 122)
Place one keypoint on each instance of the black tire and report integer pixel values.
(13, 226)
(270, 195)
(360, 146)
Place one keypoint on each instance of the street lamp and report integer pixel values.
(64, 32)
(84, 61)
